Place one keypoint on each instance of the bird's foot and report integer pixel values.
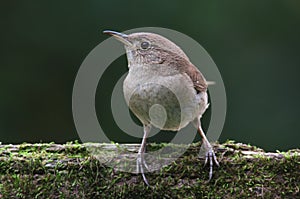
(211, 157)
(140, 165)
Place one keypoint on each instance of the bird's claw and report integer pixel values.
(211, 156)
(140, 165)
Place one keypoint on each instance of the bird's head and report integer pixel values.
(149, 48)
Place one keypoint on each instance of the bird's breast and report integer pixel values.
(165, 99)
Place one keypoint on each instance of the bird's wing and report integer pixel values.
(196, 76)
(184, 65)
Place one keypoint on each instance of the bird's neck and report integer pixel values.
(152, 70)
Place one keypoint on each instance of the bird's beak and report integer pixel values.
(119, 36)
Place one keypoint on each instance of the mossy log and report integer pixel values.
(73, 171)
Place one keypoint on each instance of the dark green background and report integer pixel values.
(255, 45)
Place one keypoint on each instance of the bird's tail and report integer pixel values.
(210, 83)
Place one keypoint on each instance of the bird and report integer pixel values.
(161, 73)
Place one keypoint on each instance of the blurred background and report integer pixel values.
(255, 45)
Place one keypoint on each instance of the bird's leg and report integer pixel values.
(209, 152)
(140, 162)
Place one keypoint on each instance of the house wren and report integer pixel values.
(162, 76)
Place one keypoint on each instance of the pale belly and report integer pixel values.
(168, 103)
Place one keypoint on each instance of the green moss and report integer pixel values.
(69, 171)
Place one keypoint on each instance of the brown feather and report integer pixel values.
(176, 57)
(197, 77)
(185, 66)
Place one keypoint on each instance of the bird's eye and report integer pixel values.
(145, 45)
